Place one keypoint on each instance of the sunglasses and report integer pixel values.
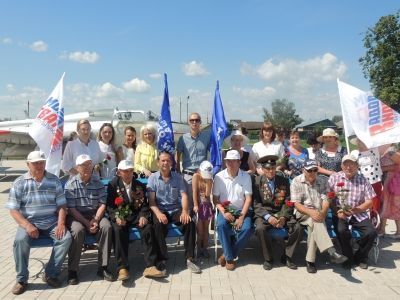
(195, 121)
(312, 171)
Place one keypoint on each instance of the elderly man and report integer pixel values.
(192, 151)
(232, 192)
(273, 209)
(354, 197)
(309, 194)
(124, 193)
(169, 204)
(37, 203)
(86, 202)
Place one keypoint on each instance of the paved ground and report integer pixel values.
(248, 281)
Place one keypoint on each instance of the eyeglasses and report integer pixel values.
(195, 121)
(312, 171)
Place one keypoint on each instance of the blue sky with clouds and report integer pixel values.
(115, 52)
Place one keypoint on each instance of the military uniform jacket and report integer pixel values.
(138, 201)
(271, 202)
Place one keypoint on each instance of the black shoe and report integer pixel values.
(72, 278)
(337, 258)
(347, 265)
(290, 264)
(311, 267)
(105, 274)
(267, 265)
(53, 282)
(363, 265)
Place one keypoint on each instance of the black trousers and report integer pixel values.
(295, 235)
(368, 235)
(121, 244)
(188, 230)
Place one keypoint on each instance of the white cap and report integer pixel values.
(232, 155)
(35, 156)
(206, 170)
(81, 159)
(125, 165)
(349, 157)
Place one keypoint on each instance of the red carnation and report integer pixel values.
(289, 203)
(225, 203)
(331, 195)
(340, 184)
(108, 157)
(118, 201)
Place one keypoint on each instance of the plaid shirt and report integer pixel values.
(85, 197)
(310, 195)
(359, 190)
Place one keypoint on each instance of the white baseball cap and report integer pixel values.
(82, 158)
(349, 157)
(206, 170)
(125, 165)
(35, 156)
(232, 155)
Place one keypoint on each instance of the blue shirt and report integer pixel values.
(194, 150)
(38, 202)
(168, 194)
(85, 197)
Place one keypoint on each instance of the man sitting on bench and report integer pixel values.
(309, 194)
(169, 203)
(127, 206)
(86, 202)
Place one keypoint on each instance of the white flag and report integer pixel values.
(370, 119)
(48, 128)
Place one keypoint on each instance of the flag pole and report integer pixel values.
(344, 122)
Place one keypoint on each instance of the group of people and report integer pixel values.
(269, 185)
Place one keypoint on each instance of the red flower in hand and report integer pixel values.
(225, 203)
(331, 195)
(118, 201)
(340, 184)
(289, 203)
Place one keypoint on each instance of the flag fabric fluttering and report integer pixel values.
(371, 120)
(166, 142)
(219, 131)
(48, 128)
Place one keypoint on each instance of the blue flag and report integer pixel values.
(219, 132)
(166, 141)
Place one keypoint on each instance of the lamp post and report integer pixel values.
(187, 108)
(180, 109)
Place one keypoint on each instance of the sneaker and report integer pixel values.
(19, 288)
(153, 272)
(337, 258)
(193, 267)
(267, 265)
(222, 261)
(230, 265)
(53, 282)
(123, 274)
(72, 278)
(311, 267)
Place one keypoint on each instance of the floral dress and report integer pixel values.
(331, 162)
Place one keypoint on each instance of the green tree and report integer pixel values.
(381, 63)
(283, 115)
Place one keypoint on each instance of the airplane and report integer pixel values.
(16, 143)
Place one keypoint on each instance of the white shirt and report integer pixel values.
(75, 148)
(109, 169)
(234, 189)
(275, 148)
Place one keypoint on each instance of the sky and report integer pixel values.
(114, 54)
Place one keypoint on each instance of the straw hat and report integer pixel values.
(237, 132)
(327, 132)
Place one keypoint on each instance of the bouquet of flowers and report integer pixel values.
(284, 160)
(342, 195)
(234, 212)
(123, 209)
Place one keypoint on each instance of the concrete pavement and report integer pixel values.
(248, 281)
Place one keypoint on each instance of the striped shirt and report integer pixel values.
(359, 190)
(38, 202)
(85, 197)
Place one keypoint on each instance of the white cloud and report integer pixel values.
(38, 46)
(155, 76)
(255, 93)
(136, 85)
(10, 87)
(6, 41)
(108, 90)
(194, 69)
(85, 57)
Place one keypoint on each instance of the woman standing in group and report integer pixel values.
(329, 157)
(146, 152)
(298, 155)
(267, 144)
(127, 150)
(106, 138)
(237, 140)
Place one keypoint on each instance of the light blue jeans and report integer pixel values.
(233, 241)
(22, 247)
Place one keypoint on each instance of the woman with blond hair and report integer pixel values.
(146, 152)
